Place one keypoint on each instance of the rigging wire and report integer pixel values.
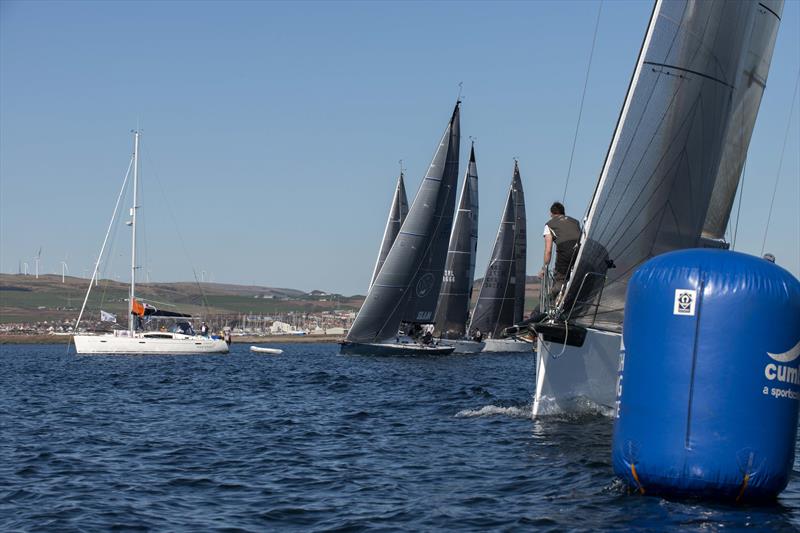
(780, 162)
(102, 248)
(204, 300)
(583, 97)
(739, 209)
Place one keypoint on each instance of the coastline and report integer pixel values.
(271, 339)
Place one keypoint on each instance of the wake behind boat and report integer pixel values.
(181, 340)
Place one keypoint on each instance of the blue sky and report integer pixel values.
(272, 130)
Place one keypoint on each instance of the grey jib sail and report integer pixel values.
(407, 286)
(397, 214)
(656, 184)
(747, 95)
(501, 300)
(452, 312)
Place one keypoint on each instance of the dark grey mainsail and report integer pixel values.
(452, 312)
(407, 286)
(660, 171)
(747, 94)
(501, 299)
(397, 214)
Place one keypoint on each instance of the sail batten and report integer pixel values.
(452, 312)
(658, 181)
(406, 289)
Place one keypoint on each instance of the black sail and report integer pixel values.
(452, 313)
(397, 214)
(657, 181)
(501, 299)
(407, 286)
(520, 245)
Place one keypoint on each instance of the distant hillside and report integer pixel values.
(27, 299)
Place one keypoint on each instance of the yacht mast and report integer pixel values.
(131, 321)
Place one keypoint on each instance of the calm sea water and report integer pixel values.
(311, 440)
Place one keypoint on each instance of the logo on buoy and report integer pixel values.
(424, 285)
(783, 373)
(787, 356)
(684, 302)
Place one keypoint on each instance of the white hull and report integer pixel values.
(271, 351)
(464, 346)
(149, 344)
(507, 345)
(568, 381)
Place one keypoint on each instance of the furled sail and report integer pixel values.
(657, 181)
(452, 312)
(501, 299)
(397, 214)
(407, 286)
(747, 93)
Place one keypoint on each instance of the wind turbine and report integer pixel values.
(25, 268)
(37, 259)
(64, 270)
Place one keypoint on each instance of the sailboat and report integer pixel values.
(134, 340)
(452, 311)
(668, 181)
(397, 214)
(406, 290)
(501, 300)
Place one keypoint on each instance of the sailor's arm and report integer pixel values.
(548, 252)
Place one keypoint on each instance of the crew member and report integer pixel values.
(565, 232)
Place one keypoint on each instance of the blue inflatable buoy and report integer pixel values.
(709, 385)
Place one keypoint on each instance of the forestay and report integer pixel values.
(659, 175)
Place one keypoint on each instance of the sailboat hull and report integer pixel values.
(393, 349)
(162, 344)
(578, 378)
(463, 346)
(507, 345)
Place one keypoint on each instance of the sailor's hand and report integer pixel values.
(541, 273)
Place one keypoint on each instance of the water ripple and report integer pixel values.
(313, 441)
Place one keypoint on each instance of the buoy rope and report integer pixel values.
(636, 478)
(744, 486)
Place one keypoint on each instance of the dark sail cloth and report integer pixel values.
(566, 232)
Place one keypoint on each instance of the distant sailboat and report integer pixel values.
(667, 183)
(452, 312)
(501, 300)
(134, 340)
(397, 215)
(406, 289)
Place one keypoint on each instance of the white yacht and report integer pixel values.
(135, 340)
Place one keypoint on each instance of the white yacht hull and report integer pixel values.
(507, 345)
(144, 344)
(464, 346)
(570, 377)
